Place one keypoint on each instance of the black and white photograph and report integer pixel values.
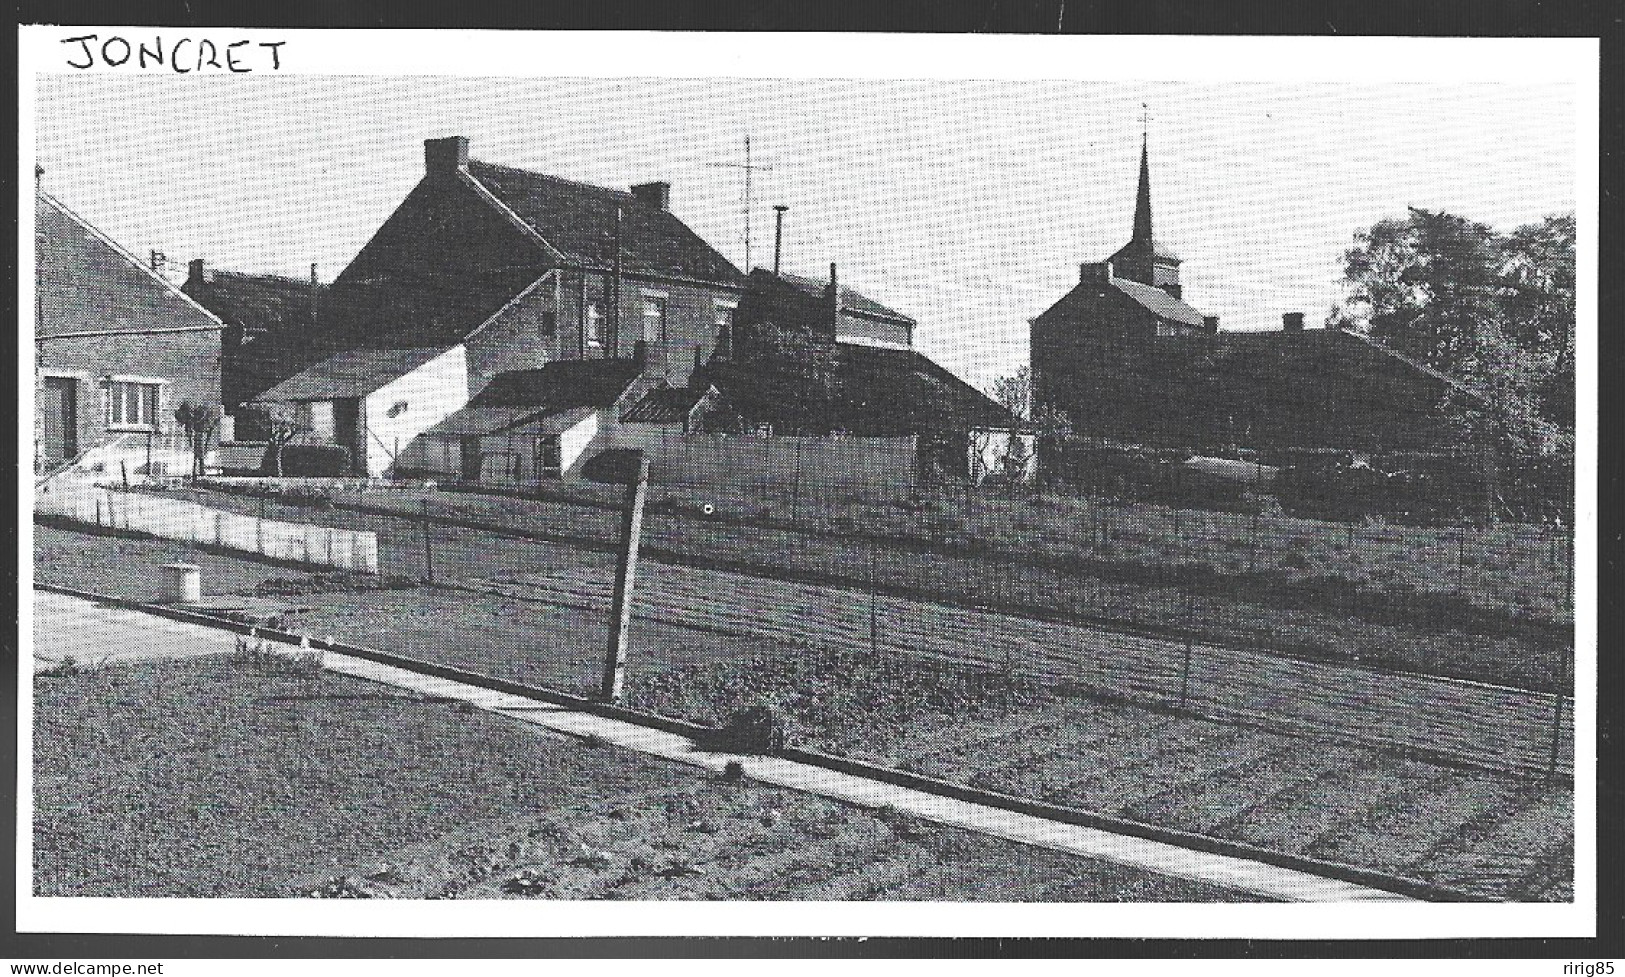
(867, 485)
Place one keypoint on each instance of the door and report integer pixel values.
(345, 426)
(549, 458)
(59, 408)
(471, 459)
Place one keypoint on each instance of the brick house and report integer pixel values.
(1128, 360)
(271, 327)
(518, 270)
(117, 349)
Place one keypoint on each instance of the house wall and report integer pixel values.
(525, 336)
(431, 393)
(691, 321)
(84, 284)
(188, 364)
(862, 329)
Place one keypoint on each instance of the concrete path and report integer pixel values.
(93, 634)
(66, 625)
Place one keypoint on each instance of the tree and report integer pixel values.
(199, 421)
(1495, 311)
(281, 424)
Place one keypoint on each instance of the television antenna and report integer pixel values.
(750, 169)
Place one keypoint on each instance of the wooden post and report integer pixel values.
(1185, 674)
(1557, 737)
(626, 572)
(124, 472)
(149, 453)
(874, 616)
(428, 543)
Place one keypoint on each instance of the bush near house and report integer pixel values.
(311, 461)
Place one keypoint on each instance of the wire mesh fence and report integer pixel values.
(1448, 642)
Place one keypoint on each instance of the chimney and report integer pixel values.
(1292, 322)
(446, 155)
(1095, 272)
(315, 290)
(656, 194)
(197, 272)
(1210, 323)
(832, 296)
(778, 235)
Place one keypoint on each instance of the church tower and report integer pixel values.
(1142, 259)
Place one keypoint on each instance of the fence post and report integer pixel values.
(428, 543)
(626, 571)
(874, 616)
(1185, 675)
(124, 472)
(1557, 736)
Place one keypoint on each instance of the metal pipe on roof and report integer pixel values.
(778, 235)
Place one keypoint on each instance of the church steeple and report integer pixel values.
(1142, 199)
(1142, 259)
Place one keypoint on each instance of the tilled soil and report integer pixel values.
(208, 778)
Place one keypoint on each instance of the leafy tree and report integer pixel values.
(1496, 311)
(199, 422)
(1015, 392)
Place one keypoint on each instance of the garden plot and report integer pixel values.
(211, 778)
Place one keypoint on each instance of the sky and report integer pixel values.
(965, 204)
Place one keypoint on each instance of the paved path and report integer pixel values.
(63, 623)
(93, 634)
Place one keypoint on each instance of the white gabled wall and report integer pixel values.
(431, 393)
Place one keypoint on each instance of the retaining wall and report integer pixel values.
(193, 523)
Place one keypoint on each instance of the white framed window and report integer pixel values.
(654, 319)
(595, 325)
(318, 418)
(132, 403)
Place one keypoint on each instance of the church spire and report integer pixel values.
(1142, 200)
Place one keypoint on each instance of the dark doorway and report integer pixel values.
(471, 459)
(60, 409)
(347, 431)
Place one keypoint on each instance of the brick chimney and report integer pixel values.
(1210, 323)
(198, 273)
(656, 194)
(1292, 322)
(1096, 273)
(446, 155)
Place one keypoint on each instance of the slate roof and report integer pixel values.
(418, 313)
(874, 391)
(1159, 302)
(561, 385)
(85, 281)
(850, 299)
(579, 220)
(665, 405)
(479, 421)
(273, 304)
(353, 373)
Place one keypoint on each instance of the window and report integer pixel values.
(654, 320)
(594, 324)
(132, 404)
(724, 321)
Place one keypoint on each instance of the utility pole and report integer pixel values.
(749, 168)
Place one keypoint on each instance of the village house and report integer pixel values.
(486, 270)
(271, 327)
(117, 349)
(1127, 360)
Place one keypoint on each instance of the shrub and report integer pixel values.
(311, 461)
